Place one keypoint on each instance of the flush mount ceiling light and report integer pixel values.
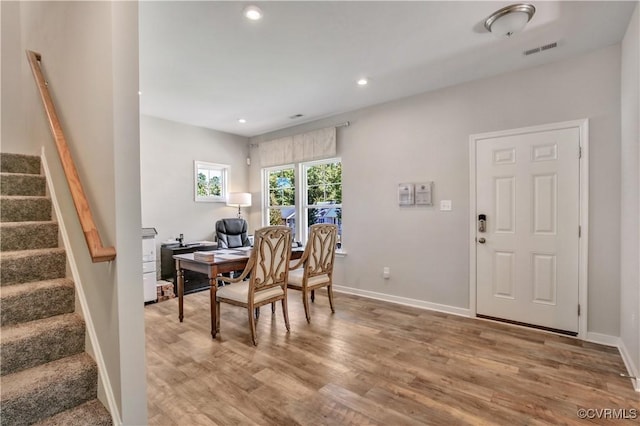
(252, 13)
(509, 20)
(363, 82)
(242, 120)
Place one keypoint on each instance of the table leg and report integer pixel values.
(180, 273)
(213, 288)
(212, 293)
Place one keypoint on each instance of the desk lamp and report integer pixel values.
(240, 199)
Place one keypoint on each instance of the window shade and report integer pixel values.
(314, 145)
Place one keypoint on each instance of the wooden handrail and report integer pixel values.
(94, 243)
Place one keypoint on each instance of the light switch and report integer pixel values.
(445, 205)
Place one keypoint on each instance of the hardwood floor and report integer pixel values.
(372, 363)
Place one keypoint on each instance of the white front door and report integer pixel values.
(527, 260)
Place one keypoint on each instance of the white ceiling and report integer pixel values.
(204, 64)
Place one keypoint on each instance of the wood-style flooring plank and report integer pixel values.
(371, 363)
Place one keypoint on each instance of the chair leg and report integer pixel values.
(252, 326)
(273, 308)
(330, 291)
(305, 302)
(285, 313)
(217, 316)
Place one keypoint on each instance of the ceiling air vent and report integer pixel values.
(293, 117)
(540, 48)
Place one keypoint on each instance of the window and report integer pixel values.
(316, 196)
(323, 194)
(210, 181)
(281, 197)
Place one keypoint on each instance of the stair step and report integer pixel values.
(90, 413)
(36, 300)
(19, 163)
(24, 209)
(28, 235)
(32, 265)
(32, 395)
(30, 344)
(22, 184)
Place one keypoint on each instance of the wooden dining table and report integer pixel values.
(225, 260)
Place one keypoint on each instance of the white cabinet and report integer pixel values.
(149, 264)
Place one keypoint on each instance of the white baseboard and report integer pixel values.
(632, 369)
(454, 310)
(86, 314)
(603, 339)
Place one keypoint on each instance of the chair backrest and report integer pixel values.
(232, 233)
(321, 248)
(271, 253)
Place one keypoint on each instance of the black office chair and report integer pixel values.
(232, 233)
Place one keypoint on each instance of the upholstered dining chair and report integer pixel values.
(269, 268)
(315, 268)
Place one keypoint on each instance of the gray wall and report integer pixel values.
(167, 152)
(12, 133)
(90, 58)
(426, 137)
(630, 197)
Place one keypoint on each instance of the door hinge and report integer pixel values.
(578, 309)
(579, 152)
(579, 231)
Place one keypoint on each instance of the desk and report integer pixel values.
(193, 281)
(218, 266)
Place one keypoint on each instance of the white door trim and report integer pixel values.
(583, 126)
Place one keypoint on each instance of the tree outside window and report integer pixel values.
(324, 194)
(281, 203)
(321, 200)
(210, 181)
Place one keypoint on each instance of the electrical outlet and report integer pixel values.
(445, 205)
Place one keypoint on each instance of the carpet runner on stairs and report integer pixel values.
(47, 378)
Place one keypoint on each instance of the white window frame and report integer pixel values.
(265, 193)
(304, 188)
(301, 194)
(224, 175)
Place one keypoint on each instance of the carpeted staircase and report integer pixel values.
(47, 377)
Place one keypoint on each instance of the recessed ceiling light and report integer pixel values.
(363, 82)
(252, 13)
(242, 120)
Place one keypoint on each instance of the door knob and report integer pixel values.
(482, 240)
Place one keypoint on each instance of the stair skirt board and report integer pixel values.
(104, 382)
